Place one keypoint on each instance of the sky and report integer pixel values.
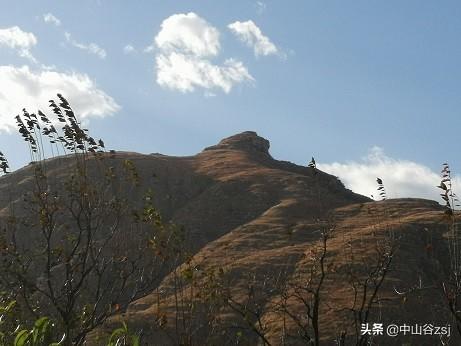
(369, 88)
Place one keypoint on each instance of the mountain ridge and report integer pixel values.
(252, 216)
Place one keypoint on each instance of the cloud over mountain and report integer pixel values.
(22, 87)
(401, 178)
(186, 44)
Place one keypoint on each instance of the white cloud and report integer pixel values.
(19, 40)
(185, 73)
(50, 18)
(128, 49)
(189, 34)
(186, 43)
(15, 38)
(22, 87)
(249, 33)
(401, 178)
(91, 48)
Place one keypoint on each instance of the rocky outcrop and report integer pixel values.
(247, 141)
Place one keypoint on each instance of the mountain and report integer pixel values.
(262, 235)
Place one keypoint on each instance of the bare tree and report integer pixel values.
(302, 295)
(79, 251)
(366, 276)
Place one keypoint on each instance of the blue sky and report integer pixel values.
(368, 88)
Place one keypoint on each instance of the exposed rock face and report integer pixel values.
(248, 141)
(252, 215)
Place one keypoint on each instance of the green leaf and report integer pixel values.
(135, 340)
(40, 329)
(21, 338)
(115, 335)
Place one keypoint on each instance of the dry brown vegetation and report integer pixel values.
(270, 253)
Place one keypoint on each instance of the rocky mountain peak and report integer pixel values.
(248, 141)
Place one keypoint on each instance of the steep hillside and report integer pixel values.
(254, 231)
(211, 193)
(279, 245)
